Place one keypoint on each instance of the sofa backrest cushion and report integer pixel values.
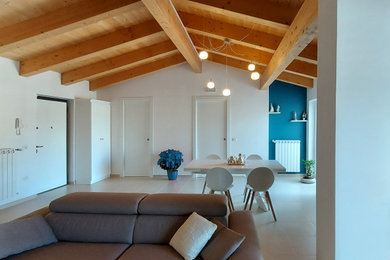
(92, 228)
(153, 229)
(24, 234)
(207, 205)
(98, 203)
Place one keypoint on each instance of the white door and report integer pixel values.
(211, 131)
(101, 145)
(50, 149)
(137, 136)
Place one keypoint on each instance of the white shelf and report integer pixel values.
(274, 112)
(298, 121)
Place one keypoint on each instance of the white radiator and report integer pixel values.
(288, 154)
(7, 173)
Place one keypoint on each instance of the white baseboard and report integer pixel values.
(17, 201)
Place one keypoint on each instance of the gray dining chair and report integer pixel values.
(220, 180)
(254, 157)
(260, 180)
(213, 157)
(210, 157)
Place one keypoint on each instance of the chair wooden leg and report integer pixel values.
(253, 196)
(270, 204)
(204, 187)
(230, 198)
(229, 205)
(245, 192)
(247, 199)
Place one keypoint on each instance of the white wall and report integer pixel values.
(18, 99)
(172, 91)
(353, 198)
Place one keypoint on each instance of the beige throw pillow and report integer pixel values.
(192, 236)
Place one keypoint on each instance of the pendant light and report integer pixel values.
(251, 67)
(226, 92)
(255, 75)
(210, 84)
(203, 55)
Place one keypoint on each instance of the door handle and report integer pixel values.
(224, 139)
(147, 139)
(39, 146)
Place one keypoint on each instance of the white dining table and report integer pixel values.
(202, 165)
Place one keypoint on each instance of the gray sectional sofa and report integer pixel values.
(96, 226)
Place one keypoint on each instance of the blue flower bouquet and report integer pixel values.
(170, 160)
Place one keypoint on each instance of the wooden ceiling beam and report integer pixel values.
(244, 35)
(51, 59)
(141, 70)
(107, 65)
(271, 13)
(165, 14)
(251, 55)
(301, 32)
(242, 65)
(60, 21)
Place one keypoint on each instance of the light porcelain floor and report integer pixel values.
(292, 237)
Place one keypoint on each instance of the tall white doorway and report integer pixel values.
(138, 136)
(211, 127)
(50, 149)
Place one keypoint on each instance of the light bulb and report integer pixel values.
(255, 75)
(251, 67)
(226, 92)
(211, 84)
(203, 55)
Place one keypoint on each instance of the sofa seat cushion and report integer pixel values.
(144, 251)
(73, 251)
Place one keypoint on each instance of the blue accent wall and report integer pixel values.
(290, 98)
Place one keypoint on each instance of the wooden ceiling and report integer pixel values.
(109, 41)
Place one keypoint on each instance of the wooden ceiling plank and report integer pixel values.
(47, 61)
(60, 21)
(141, 70)
(263, 41)
(301, 32)
(242, 65)
(165, 14)
(106, 65)
(251, 55)
(271, 13)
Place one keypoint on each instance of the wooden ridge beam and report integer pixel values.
(60, 21)
(252, 55)
(141, 70)
(104, 66)
(165, 14)
(271, 13)
(301, 32)
(51, 59)
(244, 35)
(242, 65)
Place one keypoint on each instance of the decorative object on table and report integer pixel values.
(239, 160)
(278, 108)
(170, 160)
(295, 115)
(309, 172)
(304, 115)
(271, 109)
